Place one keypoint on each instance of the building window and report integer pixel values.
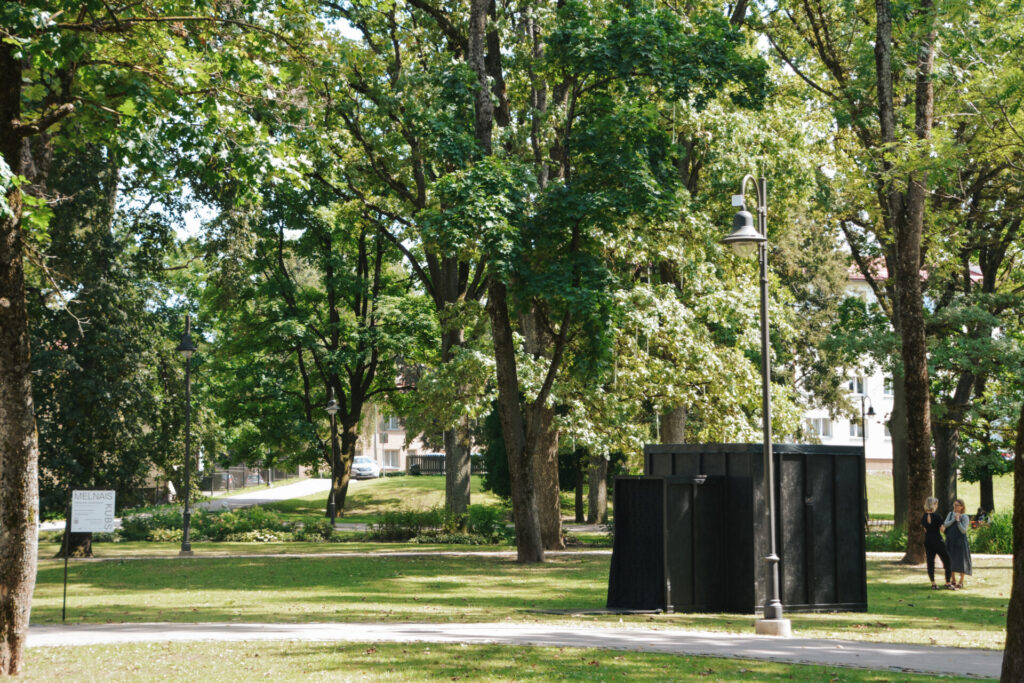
(383, 437)
(887, 386)
(820, 426)
(391, 458)
(888, 436)
(856, 429)
(855, 385)
(391, 424)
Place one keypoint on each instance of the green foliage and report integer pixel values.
(320, 530)
(996, 537)
(891, 540)
(243, 524)
(479, 525)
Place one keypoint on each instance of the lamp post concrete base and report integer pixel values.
(185, 553)
(774, 627)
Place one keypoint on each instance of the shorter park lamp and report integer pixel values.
(745, 239)
(186, 348)
(864, 447)
(332, 410)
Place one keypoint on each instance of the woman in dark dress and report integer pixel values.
(956, 525)
(933, 543)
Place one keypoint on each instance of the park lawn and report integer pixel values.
(479, 587)
(880, 494)
(302, 661)
(369, 499)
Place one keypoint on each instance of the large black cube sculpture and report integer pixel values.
(699, 514)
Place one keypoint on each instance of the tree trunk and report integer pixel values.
(349, 436)
(457, 439)
(673, 426)
(542, 443)
(905, 215)
(945, 438)
(988, 499)
(529, 542)
(577, 459)
(19, 443)
(1013, 653)
(898, 432)
(598, 510)
(79, 542)
(946, 434)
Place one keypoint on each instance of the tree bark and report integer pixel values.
(597, 512)
(542, 443)
(349, 435)
(19, 443)
(898, 432)
(1013, 653)
(905, 214)
(946, 435)
(673, 426)
(988, 498)
(580, 510)
(529, 542)
(456, 440)
(80, 542)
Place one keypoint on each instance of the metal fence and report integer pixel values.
(242, 476)
(433, 463)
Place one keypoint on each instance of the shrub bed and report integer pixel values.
(480, 525)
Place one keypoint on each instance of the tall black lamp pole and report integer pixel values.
(745, 239)
(332, 410)
(864, 447)
(187, 348)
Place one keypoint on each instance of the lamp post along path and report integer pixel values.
(187, 348)
(744, 239)
(332, 410)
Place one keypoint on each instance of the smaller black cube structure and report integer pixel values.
(669, 553)
(712, 538)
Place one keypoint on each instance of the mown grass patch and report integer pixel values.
(484, 587)
(300, 661)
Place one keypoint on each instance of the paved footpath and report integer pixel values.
(844, 653)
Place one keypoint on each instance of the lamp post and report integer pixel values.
(864, 447)
(745, 239)
(187, 348)
(332, 410)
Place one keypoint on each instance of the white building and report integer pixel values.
(876, 390)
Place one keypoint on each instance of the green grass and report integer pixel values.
(482, 588)
(880, 494)
(301, 661)
(367, 500)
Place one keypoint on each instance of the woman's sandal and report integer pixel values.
(951, 586)
(934, 587)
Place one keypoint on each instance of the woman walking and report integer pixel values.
(956, 525)
(933, 543)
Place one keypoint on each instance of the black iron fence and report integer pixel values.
(433, 463)
(242, 476)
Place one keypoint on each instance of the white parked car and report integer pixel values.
(365, 468)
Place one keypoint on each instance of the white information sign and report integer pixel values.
(92, 511)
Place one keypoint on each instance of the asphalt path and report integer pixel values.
(840, 653)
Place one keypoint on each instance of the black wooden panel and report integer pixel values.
(850, 531)
(791, 541)
(680, 548)
(822, 546)
(636, 578)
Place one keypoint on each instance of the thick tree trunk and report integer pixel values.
(597, 512)
(529, 542)
(349, 437)
(542, 443)
(19, 443)
(673, 426)
(898, 432)
(905, 215)
(1013, 653)
(988, 498)
(457, 439)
